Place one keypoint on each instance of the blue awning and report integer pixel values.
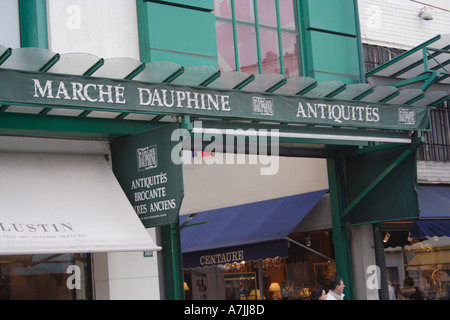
(245, 232)
(434, 204)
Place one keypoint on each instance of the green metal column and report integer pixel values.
(173, 257)
(340, 231)
(33, 23)
(173, 262)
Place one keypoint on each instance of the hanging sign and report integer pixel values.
(152, 181)
(55, 90)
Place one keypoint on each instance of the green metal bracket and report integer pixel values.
(355, 152)
(402, 56)
(175, 75)
(429, 78)
(277, 85)
(186, 123)
(5, 55)
(192, 225)
(246, 81)
(210, 79)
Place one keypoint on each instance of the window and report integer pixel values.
(257, 36)
(289, 278)
(437, 141)
(417, 268)
(45, 277)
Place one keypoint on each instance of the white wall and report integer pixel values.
(106, 28)
(210, 187)
(126, 275)
(396, 24)
(433, 172)
(362, 256)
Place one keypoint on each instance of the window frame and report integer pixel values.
(258, 26)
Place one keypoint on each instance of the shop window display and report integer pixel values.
(45, 277)
(291, 278)
(417, 269)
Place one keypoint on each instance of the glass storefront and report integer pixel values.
(291, 278)
(417, 268)
(45, 277)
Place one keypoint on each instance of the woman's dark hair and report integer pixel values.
(316, 293)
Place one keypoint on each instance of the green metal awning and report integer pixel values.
(301, 108)
(428, 63)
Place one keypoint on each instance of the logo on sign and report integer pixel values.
(147, 158)
(406, 116)
(263, 106)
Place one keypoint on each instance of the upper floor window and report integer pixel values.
(257, 36)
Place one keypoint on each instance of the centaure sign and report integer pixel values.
(153, 183)
(55, 90)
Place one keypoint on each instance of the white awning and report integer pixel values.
(65, 203)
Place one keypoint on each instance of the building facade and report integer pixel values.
(278, 48)
(388, 30)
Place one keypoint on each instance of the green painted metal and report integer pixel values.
(362, 75)
(4, 53)
(41, 89)
(402, 56)
(206, 5)
(388, 171)
(354, 152)
(424, 61)
(258, 42)
(338, 186)
(178, 34)
(330, 27)
(173, 258)
(41, 125)
(285, 131)
(173, 262)
(428, 77)
(340, 232)
(235, 40)
(343, 66)
(381, 185)
(332, 16)
(132, 149)
(33, 23)
(280, 38)
(305, 56)
(143, 30)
